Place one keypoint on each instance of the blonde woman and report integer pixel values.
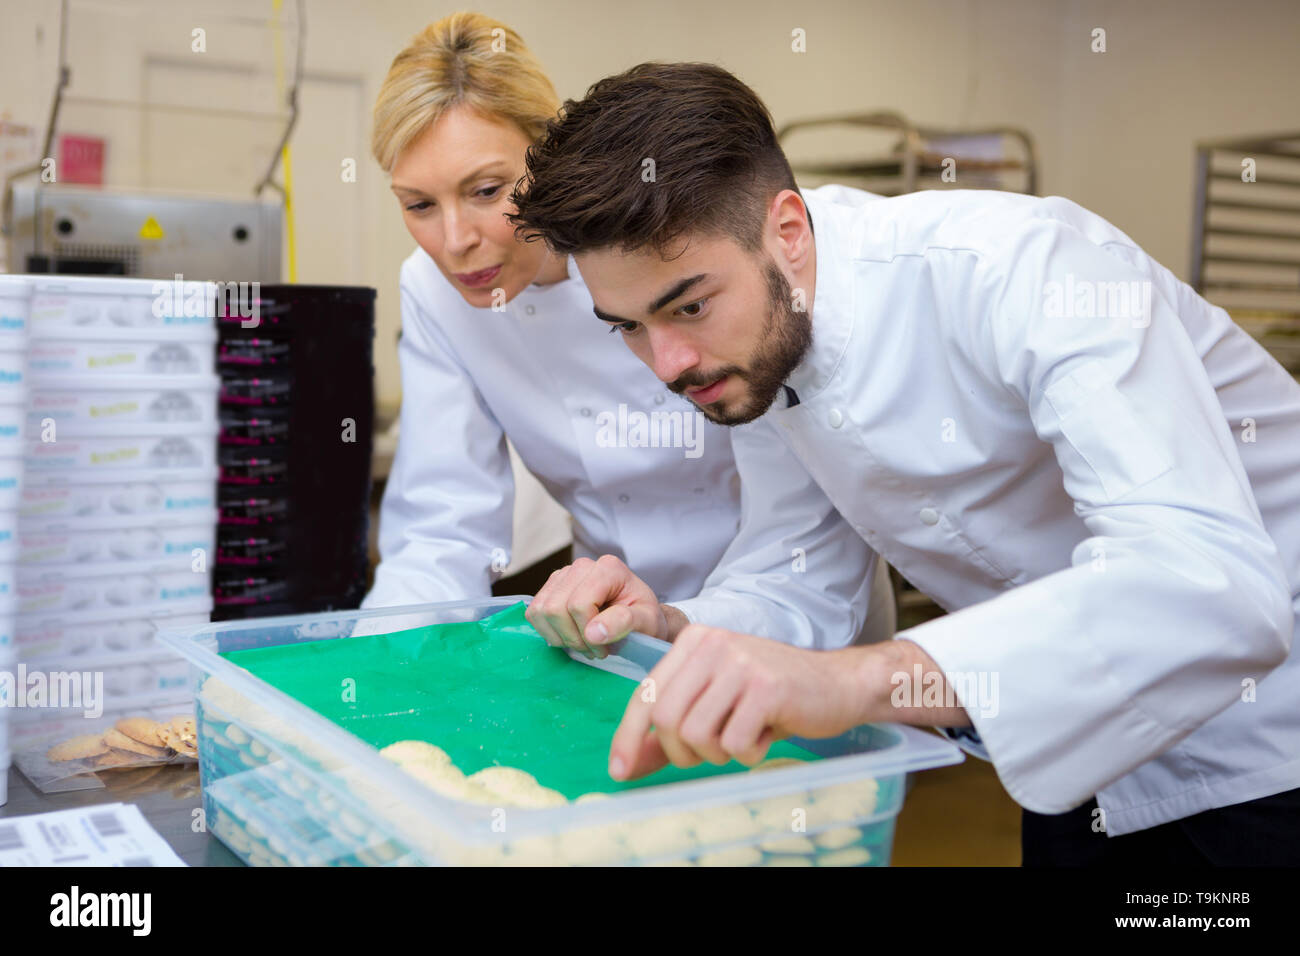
(499, 340)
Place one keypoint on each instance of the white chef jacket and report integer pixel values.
(543, 371)
(1082, 493)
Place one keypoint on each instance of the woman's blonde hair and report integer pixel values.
(463, 58)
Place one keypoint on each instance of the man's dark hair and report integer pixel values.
(716, 163)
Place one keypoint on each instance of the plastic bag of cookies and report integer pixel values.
(83, 754)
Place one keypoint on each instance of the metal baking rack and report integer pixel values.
(909, 157)
(1246, 236)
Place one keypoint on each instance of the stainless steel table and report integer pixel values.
(167, 800)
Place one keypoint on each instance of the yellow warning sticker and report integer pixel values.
(151, 229)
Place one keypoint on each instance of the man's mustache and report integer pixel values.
(697, 379)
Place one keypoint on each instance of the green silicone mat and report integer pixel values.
(487, 692)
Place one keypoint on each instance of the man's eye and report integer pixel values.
(698, 306)
(627, 328)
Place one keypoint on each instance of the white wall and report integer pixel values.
(1114, 130)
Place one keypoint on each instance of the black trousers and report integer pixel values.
(1263, 832)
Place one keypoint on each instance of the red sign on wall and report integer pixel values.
(81, 160)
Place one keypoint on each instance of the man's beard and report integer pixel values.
(787, 336)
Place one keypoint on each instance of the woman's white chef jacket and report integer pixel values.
(1110, 506)
(544, 371)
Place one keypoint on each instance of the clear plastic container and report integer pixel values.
(79, 408)
(105, 302)
(12, 469)
(8, 585)
(131, 497)
(59, 352)
(116, 633)
(70, 542)
(15, 307)
(283, 784)
(167, 448)
(13, 371)
(13, 426)
(86, 588)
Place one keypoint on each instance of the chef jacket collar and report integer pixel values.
(533, 291)
(833, 314)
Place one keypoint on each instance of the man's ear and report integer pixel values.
(792, 231)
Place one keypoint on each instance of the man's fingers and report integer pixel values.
(536, 613)
(676, 698)
(650, 758)
(610, 625)
(607, 581)
(747, 733)
(557, 606)
(625, 749)
(701, 727)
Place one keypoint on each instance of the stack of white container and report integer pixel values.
(116, 529)
(15, 300)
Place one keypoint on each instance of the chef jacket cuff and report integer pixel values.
(968, 739)
(739, 615)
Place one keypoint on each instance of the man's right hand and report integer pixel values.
(591, 604)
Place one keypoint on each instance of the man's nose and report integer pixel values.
(672, 355)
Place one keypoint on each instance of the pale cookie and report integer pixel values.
(725, 824)
(182, 725)
(449, 782)
(142, 729)
(120, 741)
(537, 798)
(78, 748)
(790, 844)
(179, 743)
(853, 856)
(416, 751)
(734, 856)
(838, 838)
(504, 780)
(117, 758)
(591, 797)
(660, 836)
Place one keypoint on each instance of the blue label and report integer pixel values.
(188, 502)
(169, 593)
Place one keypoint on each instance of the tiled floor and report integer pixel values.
(958, 816)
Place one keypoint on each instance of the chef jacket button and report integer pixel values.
(835, 417)
(585, 412)
(929, 516)
(699, 491)
(659, 399)
(624, 498)
(529, 309)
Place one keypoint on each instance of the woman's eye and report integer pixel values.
(488, 192)
(418, 207)
(698, 308)
(627, 328)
